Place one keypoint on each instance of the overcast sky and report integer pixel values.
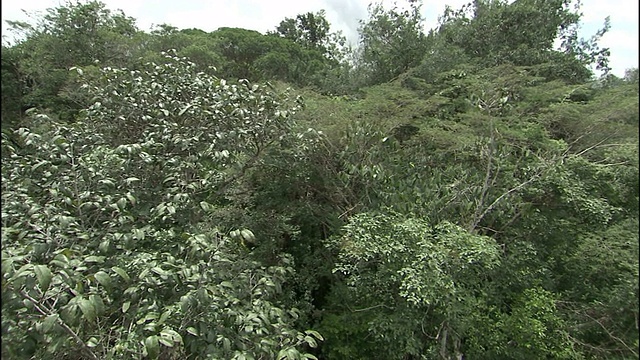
(264, 15)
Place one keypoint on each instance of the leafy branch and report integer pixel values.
(49, 312)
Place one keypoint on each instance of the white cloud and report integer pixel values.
(622, 38)
(624, 50)
(257, 15)
(621, 11)
(262, 15)
(431, 10)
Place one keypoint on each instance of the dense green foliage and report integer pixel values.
(180, 194)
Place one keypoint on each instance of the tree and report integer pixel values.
(482, 202)
(391, 41)
(12, 89)
(133, 254)
(397, 267)
(247, 54)
(543, 168)
(309, 30)
(76, 34)
(524, 33)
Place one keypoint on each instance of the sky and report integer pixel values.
(265, 15)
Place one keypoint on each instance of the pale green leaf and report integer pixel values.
(171, 334)
(103, 278)
(165, 341)
(92, 342)
(123, 274)
(94, 259)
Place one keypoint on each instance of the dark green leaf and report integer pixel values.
(152, 347)
(44, 276)
(88, 309)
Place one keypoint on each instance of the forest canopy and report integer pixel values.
(471, 191)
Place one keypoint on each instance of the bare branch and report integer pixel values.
(613, 336)
(487, 179)
(370, 308)
(496, 201)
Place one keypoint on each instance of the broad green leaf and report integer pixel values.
(138, 234)
(39, 164)
(165, 341)
(131, 180)
(7, 265)
(165, 315)
(191, 330)
(125, 306)
(92, 342)
(288, 354)
(103, 278)
(227, 284)
(315, 334)
(122, 203)
(123, 274)
(49, 322)
(248, 235)
(44, 276)
(107, 182)
(185, 302)
(205, 206)
(61, 260)
(94, 259)
(131, 199)
(98, 304)
(171, 334)
(311, 341)
(158, 270)
(152, 347)
(88, 309)
(23, 271)
(160, 209)
(104, 246)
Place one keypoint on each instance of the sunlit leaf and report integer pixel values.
(123, 274)
(103, 278)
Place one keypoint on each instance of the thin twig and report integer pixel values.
(613, 336)
(370, 308)
(485, 186)
(70, 331)
(493, 204)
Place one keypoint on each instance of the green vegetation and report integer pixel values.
(180, 194)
